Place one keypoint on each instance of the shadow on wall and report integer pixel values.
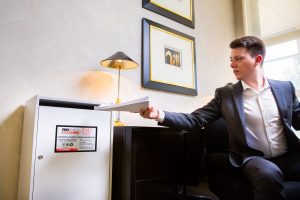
(10, 147)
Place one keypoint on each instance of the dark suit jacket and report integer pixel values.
(228, 104)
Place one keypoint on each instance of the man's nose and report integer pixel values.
(233, 64)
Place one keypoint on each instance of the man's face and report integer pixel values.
(242, 64)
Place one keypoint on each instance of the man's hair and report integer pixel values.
(254, 45)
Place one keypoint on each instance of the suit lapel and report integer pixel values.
(238, 100)
(281, 104)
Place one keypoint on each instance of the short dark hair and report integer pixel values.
(254, 45)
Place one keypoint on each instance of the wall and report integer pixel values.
(53, 47)
(238, 18)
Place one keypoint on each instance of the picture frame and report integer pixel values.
(168, 59)
(181, 11)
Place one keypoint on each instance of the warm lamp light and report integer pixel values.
(119, 61)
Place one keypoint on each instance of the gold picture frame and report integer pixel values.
(168, 59)
(181, 11)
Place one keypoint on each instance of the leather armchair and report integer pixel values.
(225, 181)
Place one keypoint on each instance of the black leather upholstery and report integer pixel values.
(224, 180)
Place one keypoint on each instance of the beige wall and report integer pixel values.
(53, 47)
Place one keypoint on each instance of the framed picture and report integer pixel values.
(181, 11)
(168, 59)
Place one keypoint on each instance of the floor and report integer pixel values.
(202, 190)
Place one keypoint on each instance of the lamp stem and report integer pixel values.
(119, 72)
(117, 121)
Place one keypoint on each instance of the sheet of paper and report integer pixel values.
(129, 106)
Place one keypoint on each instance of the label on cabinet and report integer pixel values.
(75, 138)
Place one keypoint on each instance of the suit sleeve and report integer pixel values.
(197, 119)
(296, 110)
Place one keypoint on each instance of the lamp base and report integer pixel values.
(118, 123)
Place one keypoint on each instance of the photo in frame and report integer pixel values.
(168, 59)
(181, 11)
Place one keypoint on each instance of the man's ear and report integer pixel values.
(259, 59)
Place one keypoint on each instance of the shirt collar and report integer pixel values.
(246, 86)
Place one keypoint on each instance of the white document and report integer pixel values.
(130, 106)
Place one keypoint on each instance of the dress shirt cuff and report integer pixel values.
(161, 116)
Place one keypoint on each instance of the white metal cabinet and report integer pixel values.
(49, 175)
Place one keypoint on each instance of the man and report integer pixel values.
(259, 113)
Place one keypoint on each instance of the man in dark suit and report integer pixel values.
(259, 113)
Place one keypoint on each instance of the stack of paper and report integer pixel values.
(130, 106)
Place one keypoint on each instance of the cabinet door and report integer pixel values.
(72, 175)
(158, 158)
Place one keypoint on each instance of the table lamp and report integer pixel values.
(119, 61)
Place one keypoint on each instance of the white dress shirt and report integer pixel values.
(264, 130)
(161, 116)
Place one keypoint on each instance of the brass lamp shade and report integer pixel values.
(119, 60)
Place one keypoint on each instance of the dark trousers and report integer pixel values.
(267, 175)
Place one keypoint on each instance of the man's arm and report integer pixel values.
(196, 120)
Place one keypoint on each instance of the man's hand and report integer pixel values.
(150, 112)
